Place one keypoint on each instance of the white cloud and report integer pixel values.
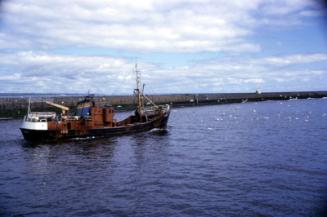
(294, 59)
(43, 72)
(33, 30)
(254, 80)
(151, 25)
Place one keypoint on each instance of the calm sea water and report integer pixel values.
(251, 159)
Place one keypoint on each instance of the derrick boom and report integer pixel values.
(63, 108)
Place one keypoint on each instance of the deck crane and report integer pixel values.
(64, 109)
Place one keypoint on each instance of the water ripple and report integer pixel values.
(251, 159)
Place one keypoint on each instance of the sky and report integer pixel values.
(181, 46)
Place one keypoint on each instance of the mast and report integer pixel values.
(138, 91)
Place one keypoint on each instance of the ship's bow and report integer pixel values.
(164, 117)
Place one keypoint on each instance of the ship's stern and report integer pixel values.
(36, 129)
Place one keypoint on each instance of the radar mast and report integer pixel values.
(138, 91)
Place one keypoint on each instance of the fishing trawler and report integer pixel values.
(88, 120)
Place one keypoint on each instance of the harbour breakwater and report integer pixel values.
(17, 106)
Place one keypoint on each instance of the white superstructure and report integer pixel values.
(37, 120)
